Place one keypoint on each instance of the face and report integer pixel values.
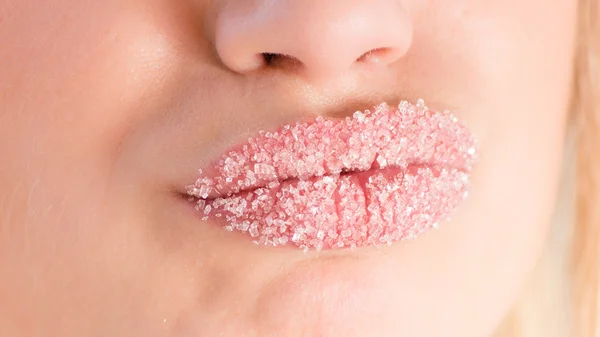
(109, 108)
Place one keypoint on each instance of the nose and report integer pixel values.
(320, 38)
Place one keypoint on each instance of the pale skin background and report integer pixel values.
(107, 108)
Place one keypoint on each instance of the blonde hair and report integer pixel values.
(563, 297)
(586, 234)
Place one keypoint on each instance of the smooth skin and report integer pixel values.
(108, 108)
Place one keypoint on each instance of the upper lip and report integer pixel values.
(273, 157)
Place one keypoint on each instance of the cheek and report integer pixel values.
(65, 114)
(517, 85)
(67, 98)
(526, 109)
(527, 71)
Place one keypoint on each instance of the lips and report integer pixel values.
(376, 178)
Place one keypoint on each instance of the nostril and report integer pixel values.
(375, 55)
(269, 57)
(281, 60)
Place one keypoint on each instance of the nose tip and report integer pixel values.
(319, 38)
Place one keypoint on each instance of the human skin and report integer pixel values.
(108, 108)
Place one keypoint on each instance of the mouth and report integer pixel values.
(376, 178)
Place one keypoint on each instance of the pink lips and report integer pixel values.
(376, 178)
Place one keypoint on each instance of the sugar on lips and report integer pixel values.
(375, 178)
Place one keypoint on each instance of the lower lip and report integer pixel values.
(374, 207)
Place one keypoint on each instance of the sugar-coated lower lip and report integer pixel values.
(376, 178)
